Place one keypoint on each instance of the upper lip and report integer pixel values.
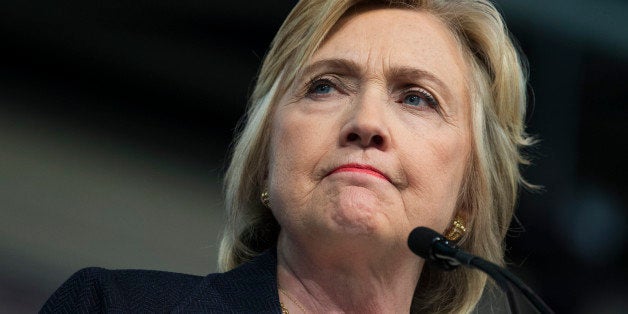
(360, 166)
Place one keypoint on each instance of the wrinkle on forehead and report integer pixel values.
(399, 42)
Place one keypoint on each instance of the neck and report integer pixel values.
(342, 280)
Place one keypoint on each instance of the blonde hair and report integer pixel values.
(498, 97)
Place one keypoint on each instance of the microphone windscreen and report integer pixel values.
(420, 241)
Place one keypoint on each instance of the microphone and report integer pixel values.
(434, 248)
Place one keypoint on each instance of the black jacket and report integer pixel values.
(252, 287)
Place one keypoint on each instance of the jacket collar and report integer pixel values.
(250, 287)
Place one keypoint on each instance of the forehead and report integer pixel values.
(402, 32)
(386, 38)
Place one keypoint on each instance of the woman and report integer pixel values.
(369, 118)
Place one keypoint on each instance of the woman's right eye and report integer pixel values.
(320, 87)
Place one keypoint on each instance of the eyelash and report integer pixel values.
(321, 81)
(423, 94)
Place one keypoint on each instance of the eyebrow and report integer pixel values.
(343, 66)
(413, 74)
(394, 74)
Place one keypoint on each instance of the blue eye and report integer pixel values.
(322, 88)
(419, 98)
(413, 100)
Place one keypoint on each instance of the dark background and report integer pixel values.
(116, 119)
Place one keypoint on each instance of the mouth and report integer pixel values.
(366, 169)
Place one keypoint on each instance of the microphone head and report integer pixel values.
(420, 241)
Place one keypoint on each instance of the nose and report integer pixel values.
(366, 126)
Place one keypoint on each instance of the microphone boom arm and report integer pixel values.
(433, 247)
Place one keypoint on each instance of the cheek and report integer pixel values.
(284, 152)
(297, 144)
(435, 170)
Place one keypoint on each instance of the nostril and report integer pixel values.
(352, 137)
(378, 140)
(365, 140)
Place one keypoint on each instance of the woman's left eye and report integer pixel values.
(419, 98)
(413, 100)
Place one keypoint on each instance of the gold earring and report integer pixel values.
(265, 197)
(456, 230)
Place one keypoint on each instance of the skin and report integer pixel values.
(364, 99)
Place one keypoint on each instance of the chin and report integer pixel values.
(367, 221)
(355, 224)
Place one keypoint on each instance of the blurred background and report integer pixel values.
(116, 119)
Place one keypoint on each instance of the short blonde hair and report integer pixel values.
(498, 99)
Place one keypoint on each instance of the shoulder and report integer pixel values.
(95, 289)
(252, 287)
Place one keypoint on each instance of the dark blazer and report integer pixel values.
(251, 287)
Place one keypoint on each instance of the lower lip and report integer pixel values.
(361, 170)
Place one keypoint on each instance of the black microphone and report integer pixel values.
(434, 248)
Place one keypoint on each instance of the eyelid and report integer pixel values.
(425, 94)
(330, 79)
(429, 97)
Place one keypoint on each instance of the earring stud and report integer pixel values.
(456, 230)
(265, 198)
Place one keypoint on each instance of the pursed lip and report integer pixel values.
(366, 169)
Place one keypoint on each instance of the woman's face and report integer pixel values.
(374, 137)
